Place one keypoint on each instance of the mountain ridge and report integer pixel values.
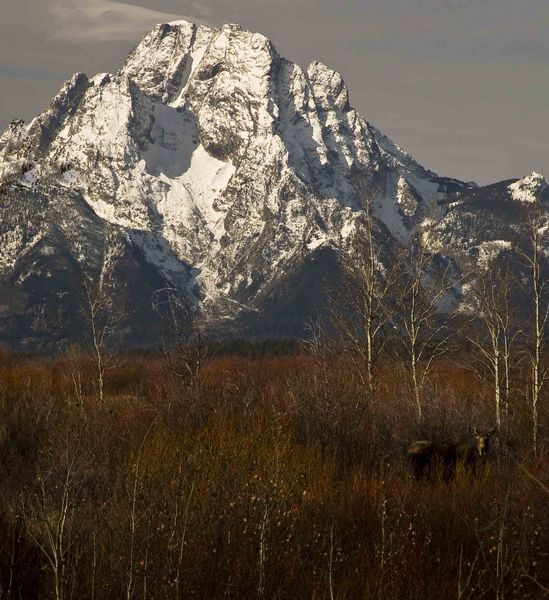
(209, 164)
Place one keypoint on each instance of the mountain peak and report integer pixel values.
(328, 86)
(529, 188)
(209, 164)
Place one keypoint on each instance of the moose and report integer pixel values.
(429, 459)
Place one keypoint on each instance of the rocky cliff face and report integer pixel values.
(209, 164)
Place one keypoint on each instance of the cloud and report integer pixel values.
(104, 20)
(32, 74)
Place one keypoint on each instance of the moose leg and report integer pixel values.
(415, 467)
(448, 472)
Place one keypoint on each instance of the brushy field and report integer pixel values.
(260, 478)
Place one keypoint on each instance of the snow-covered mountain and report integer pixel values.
(210, 164)
(479, 224)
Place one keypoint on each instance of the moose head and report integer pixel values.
(482, 440)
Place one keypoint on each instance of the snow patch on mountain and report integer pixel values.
(406, 197)
(489, 250)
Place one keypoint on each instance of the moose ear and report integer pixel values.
(474, 430)
(491, 432)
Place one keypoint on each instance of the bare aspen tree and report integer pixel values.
(362, 316)
(74, 373)
(534, 258)
(317, 345)
(466, 584)
(262, 558)
(101, 318)
(495, 338)
(510, 334)
(183, 345)
(331, 563)
(422, 318)
(182, 540)
(135, 492)
(49, 518)
(270, 494)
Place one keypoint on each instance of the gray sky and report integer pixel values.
(462, 85)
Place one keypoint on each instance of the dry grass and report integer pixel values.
(266, 478)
